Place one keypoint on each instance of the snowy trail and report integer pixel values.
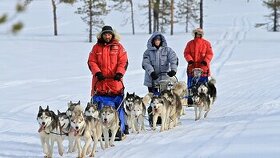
(244, 121)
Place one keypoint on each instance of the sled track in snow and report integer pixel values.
(229, 41)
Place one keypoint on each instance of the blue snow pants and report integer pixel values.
(115, 102)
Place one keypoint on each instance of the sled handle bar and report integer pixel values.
(94, 88)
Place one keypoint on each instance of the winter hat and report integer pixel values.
(107, 29)
(198, 31)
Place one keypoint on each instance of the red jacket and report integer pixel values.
(109, 59)
(198, 50)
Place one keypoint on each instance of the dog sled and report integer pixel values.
(158, 88)
(115, 101)
(195, 79)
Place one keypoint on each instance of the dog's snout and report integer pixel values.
(105, 119)
(43, 123)
(77, 127)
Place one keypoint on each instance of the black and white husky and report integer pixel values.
(49, 130)
(204, 97)
(65, 127)
(128, 106)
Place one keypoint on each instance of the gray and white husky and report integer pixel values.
(92, 115)
(138, 115)
(49, 131)
(110, 121)
(160, 107)
(81, 128)
(175, 108)
(71, 107)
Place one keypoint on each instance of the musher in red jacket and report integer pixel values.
(198, 53)
(108, 63)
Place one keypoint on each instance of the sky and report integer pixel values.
(38, 69)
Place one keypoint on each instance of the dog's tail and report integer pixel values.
(212, 80)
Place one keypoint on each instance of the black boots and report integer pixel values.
(126, 132)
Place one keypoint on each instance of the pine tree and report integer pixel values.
(274, 5)
(93, 10)
(123, 5)
(187, 12)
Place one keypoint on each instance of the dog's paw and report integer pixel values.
(61, 153)
(106, 146)
(112, 145)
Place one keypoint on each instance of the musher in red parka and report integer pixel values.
(198, 53)
(108, 63)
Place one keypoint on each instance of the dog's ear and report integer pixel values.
(70, 103)
(79, 102)
(127, 93)
(47, 108)
(88, 104)
(40, 108)
(58, 112)
(133, 93)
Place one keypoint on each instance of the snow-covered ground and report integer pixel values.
(40, 69)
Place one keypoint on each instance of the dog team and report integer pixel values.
(76, 124)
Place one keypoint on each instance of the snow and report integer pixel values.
(38, 69)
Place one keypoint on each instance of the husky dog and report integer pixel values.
(64, 122)
(160, 108)
(49, 131)
(201, 101)
(110, 121)
(92, 114)
(91, 110)
(81, 128)
(147, 99)
(175, 108)
(71, 137)
(137, 115)
(71, 107)
(65, 126)
(209, 89)
(204, 97)
(128, 106)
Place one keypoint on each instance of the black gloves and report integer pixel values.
(190, 62)
(171, 73)
(118, 76)
(203, 63)
(100, 76)
(154, 75)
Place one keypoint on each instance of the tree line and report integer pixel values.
(161, 14)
